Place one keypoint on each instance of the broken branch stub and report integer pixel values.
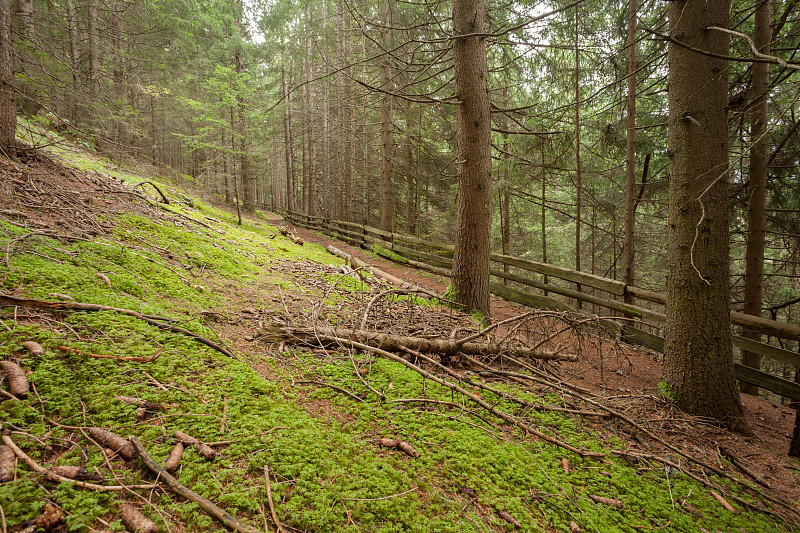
(78, 473)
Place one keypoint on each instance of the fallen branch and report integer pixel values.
(175, 486)
(571, 391)
(107, 356)
(79, 306)
(274, 332)
(378, 273)
(743, 468)
(269, 500)
(55, 477)
(334, 387)
(160, 192)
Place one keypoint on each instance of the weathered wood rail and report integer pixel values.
(437, 258)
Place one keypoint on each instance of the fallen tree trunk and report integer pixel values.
(274, 332)
(378, 273)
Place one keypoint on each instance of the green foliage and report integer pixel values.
(668, 392)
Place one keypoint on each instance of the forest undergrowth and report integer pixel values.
(169, 325)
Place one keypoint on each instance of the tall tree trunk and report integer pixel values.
(470, 273)
(119, 75)
(340, 155)
(756, 207)
(505, 204)
(544, 209)
(311, 206)
(248, 178)
(72, 30)
(25, 14)
(352, 186)
(305, 146)
(698, 356)
(288, 136)
(411, 196)
(94, 49)
(226, 173)
(8, 109)
(630, 161)
(327, 184)
(578, 173)
(387, 141)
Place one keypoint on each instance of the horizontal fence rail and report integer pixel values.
(438, 258)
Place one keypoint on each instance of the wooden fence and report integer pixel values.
(437, 258)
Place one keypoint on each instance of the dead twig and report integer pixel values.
(212, 509)
(269, 501)
(334, 387)
(51, 475)
(78, 306)
(108, 356)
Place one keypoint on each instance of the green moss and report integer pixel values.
(380, 251)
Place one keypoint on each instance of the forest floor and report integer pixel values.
(322, 437)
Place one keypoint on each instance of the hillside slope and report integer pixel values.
(319, 438)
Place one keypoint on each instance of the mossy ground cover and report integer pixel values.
(320, 447)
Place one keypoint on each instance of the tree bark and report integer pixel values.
(470, 275)
(327, 184)
(8, 110)
(94, 49)
(411, 188)
(248, 179)
(25, 13)
(340, 145)
(698, 355)
(630, 163)
(311, 207)
(756, 207)
(387, 140)
(288, 136)
(74, 55)
(578, 169)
